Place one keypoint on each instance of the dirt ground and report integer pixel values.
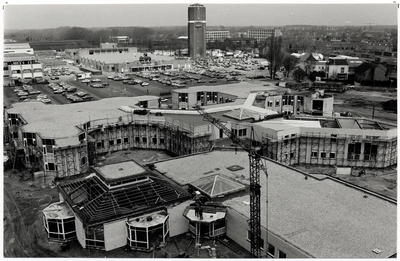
(383, 182)
(24, 234)
(361, 104)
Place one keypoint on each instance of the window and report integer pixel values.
(144, 139)
(291, 155)
(332, 155)
(111, 142)
(137, 139)
(282, 254)
(269, 104)
(323, 154)
(242, 132)
(261, 243)
(341, 69)
(126, 140)
(154, 140)
(271, 250)
(83, 160)
(119, 141)
(333, 138)
(314, 154)
(370, 151)
(162, 141)
(354, 151)
(277, 103)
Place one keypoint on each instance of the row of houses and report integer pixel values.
(344, 67)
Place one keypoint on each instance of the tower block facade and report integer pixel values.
(197, 31)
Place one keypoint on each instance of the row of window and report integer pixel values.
(287, 101)
(100, 144)
(323, 155)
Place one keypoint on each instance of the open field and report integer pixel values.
(361, 104)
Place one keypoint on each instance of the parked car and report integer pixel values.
(71, 89)
(41, 96)
(201, 81)
(33, 91)
(46, 101)
(213, 80)
(145, 83)
(86, 81)
(59, 90)
(96, 80)
(21, 93)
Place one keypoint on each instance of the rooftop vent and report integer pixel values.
(377, 251)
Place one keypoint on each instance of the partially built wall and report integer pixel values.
(332, 149)
(177, 137)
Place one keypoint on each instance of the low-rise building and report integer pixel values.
(302, 215)
(262, 34)
(337, 69)
(118, 205)
(212, 36)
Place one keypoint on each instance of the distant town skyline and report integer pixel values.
(42, 14)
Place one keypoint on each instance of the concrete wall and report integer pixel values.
(80, 232)
(115, 234)
(237, 228)
(178, 224)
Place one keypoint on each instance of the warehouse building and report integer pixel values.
(110, 58)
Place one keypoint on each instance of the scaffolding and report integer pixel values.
(147, 133)
(332, 149)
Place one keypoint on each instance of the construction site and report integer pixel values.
(211, 186)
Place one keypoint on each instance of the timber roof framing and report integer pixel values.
(94, 202)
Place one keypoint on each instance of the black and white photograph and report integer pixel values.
(213, 129)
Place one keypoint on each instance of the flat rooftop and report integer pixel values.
(324, 218)
(241, 89)
(59, 121)
(125, 57)
(120, 170)
(58, 210)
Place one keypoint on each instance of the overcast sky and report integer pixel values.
(21, 14)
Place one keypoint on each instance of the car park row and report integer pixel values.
(26, 92)
(70, 92)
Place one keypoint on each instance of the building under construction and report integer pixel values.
(303, 215)
(58, 146)
(43, 139)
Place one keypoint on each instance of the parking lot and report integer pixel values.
(55, 91)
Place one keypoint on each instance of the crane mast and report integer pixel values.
(255, 188)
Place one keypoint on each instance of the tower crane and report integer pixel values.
(255, 192)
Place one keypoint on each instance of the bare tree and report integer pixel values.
(275, 55)
(289, 63)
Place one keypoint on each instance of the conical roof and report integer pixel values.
(241, 114)
(217, 185)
